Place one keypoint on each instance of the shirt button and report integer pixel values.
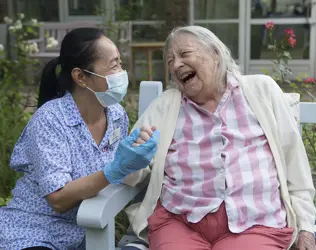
(222, 170)
(104, 149)
(223, 197)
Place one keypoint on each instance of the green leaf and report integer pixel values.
(271, 47)
(29, 29)
(287, 55)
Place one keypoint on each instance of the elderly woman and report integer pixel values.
(231, 171)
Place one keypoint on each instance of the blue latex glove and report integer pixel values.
(130, 159)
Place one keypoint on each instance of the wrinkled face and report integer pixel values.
(109, 63)
(192, 66)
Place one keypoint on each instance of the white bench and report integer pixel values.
(59, 30)
(97, 214)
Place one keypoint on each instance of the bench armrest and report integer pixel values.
(99, 211)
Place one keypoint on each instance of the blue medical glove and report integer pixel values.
(130, 159)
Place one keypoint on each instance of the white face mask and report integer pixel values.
(117, 88)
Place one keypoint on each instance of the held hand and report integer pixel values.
(306, 241)
(145, 133)
(129, 159)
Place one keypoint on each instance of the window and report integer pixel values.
(280, 8)
(259, 40)
(3, 10)
(148, 33)
(228, 33)
(43, 10)
(144, 10)
(84, 7)
(216, 9)
(148, 18)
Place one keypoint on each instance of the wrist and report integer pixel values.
(113, 173)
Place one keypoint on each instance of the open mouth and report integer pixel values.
(187, 77)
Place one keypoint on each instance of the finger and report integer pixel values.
(144, 136)
(300, 245)
(133, 136)
(153, 141)
(140, 141)
(134, 145)
(148, 130)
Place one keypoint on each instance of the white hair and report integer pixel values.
(207, 38)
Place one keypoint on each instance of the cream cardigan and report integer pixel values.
(268, 103)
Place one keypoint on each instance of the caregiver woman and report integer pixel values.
(231, 171)
(75, 145)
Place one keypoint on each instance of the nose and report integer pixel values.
(177, 63)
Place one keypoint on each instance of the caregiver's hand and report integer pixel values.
(129, 159)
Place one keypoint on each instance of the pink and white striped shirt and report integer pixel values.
(222, 156)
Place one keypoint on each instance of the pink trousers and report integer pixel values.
(168, 231)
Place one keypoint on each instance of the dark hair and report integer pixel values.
(78, 50)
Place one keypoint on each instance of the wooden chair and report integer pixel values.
(97, 214)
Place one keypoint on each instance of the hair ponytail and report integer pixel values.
(49, 83)
(78, 50)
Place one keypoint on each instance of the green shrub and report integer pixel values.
(16, 80)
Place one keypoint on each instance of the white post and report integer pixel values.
(247, 34)
(63, 10)
(242, 31)
(312, 44)
(191, 12)
(101, 239)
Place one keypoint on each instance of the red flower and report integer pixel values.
(292, 41)
(309, 80)
(289, 32)
(270, 25)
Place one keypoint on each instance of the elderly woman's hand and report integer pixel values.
(306, 241)
(145, 133)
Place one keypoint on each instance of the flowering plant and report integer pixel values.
(282, 50)
(303, 84)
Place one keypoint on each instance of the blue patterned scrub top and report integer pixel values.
(56, 147)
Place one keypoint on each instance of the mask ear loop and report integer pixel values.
(90, 90)
(92, 73)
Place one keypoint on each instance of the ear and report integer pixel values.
(79, 77)
(216, 59)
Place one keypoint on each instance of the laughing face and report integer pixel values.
(192, 66)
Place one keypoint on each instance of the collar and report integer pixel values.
(70, 110)
(232, 82)
(115, 112)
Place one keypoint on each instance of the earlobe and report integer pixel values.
(78, 77)
(83, 84)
